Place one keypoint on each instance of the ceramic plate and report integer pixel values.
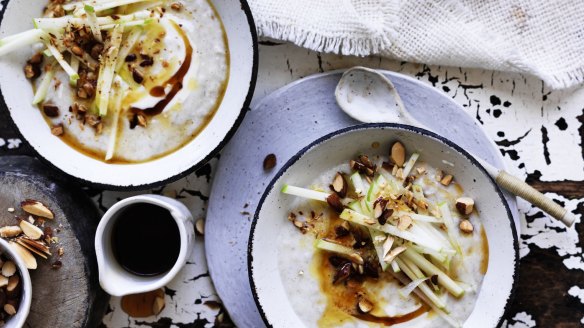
(271, 227)
(17, 94)
(283, 123)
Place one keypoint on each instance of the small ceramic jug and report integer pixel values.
(113, 278)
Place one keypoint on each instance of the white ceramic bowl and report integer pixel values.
(26, 297)
(17, 94)
(329, 151)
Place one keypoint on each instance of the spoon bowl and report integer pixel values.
(370, 97)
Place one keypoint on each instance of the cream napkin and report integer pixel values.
(538, 37)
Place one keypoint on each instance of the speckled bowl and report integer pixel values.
(17, 15)
(336, 148)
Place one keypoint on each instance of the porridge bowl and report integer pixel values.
(382, 224)
(127, 94)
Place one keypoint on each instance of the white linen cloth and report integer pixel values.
(539, 37)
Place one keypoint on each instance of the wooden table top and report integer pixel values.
(540, 133)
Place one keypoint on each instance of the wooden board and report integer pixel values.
(69, 296)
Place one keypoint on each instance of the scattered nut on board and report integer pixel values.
(32, 236)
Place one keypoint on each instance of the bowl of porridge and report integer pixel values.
(382, 224)
(126, 94)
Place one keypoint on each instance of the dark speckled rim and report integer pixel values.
(382, 126)
(245, 107)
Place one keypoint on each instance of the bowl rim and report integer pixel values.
(382, 126)
(4, 111)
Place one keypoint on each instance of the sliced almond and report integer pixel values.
(446, 180)
(465, 205)
(387, 245)
(35, 246)
(10, 231)
(394, 252)
(13, 283)
(25, 254)
(399, 173)
(465, 226)
(8, 269)
(335, 203)
(3, 281)
(378, 207)
(30, 230)
(356, 258)
(200, 226)
(37, 208)
(9, 308)
(31, 249)
(340, 185)
(398, 153)
(379, 239)
(421, 170)
(365, 306)
(405, 221)
(158, 305)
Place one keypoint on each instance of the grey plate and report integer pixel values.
(283, 123)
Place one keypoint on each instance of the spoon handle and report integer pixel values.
(519, 188)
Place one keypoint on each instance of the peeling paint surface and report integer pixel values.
(539, 133)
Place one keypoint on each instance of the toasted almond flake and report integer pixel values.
(394, 252)
(465, 226)
(200, 226)
(446, 180)
(158, 305)
(26, 255)
(398, 153)
(30, 230)
(31, 249)
(421, 170)
(387, 245)
(37, 208)
(400, 173)
(8, 269)
(60, 251)
(356, 258)
(405, 221)
(340, 185)
(3, 281)
(379, 239)
(13, 282)
(298, 224)
(11, 209)
(9, 308)
(465, 205)
(35, 245)
(10, 231)
(365, 306)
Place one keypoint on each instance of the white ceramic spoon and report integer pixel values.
(368, 96)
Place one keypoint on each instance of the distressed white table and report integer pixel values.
(539, 132)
